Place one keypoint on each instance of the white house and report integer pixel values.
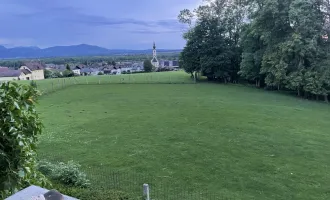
(76, 70)
(32, 71)
(116, 71)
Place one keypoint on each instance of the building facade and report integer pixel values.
(32, 71)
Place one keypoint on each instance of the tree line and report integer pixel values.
(277, 44)
(17, 63)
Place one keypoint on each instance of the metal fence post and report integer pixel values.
(146, 192)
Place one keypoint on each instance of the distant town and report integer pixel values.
(37, 70)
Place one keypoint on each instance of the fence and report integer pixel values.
(50, 85)
(132, 184)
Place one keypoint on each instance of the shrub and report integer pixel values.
(100, 73)
(33, 84)
(19, 130)
(65, 173)
(68, 73)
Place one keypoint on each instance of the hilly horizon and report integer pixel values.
(70, 50)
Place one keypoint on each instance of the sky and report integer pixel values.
(115, 24)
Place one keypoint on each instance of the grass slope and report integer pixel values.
(236, 142)
(49, 85)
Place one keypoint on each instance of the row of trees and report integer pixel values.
(279, 44)
(110, 60)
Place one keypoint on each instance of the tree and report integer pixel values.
(68, 67)
(100, 73)
(19, 131)
(147, 66)
(68, 73)
(253, 51)
(277, 43)
(213, 42)
(113, 63)
(48, 73)
(57, 74)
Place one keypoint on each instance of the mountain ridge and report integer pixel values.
(70, 50)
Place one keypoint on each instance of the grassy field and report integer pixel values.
(233, 141)
(49, 85)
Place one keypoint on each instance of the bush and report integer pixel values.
(65, 173)
(68, 73)
(19, 130)
(100, 73)
(57, 74)
(33, 84)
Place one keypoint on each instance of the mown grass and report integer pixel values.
(233, 141)
(175, 77)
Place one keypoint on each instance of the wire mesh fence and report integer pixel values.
(50, 85)
(132, 183)
(127, 181)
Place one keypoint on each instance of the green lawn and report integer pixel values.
(49, 85)
(234, 142)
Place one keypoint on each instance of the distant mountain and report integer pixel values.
(69, 51)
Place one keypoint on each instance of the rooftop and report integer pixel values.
(10, 73)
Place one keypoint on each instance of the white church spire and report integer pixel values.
(154, 60)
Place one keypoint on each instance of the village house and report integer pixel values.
(77, 71)
(30, 71)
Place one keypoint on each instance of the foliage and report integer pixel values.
(147, 66)
(56, 74)
(33, 84)
(65, 173)
(277, 43)
(68, 67)
(16, 64)
(100, 73)
(19, 130)
(68, 73)
(212, 43)
(48, 73)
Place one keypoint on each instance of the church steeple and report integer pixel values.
(154, 60)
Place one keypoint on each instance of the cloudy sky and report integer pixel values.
(123, 24)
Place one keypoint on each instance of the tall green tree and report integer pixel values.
(68, 67)
(213, 40)
(48, 73)
(147, 66)
(281, 44)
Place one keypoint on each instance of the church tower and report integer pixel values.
(154, 60)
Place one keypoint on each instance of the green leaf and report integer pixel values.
(21, 173)
(20, 143)
(16, 105)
